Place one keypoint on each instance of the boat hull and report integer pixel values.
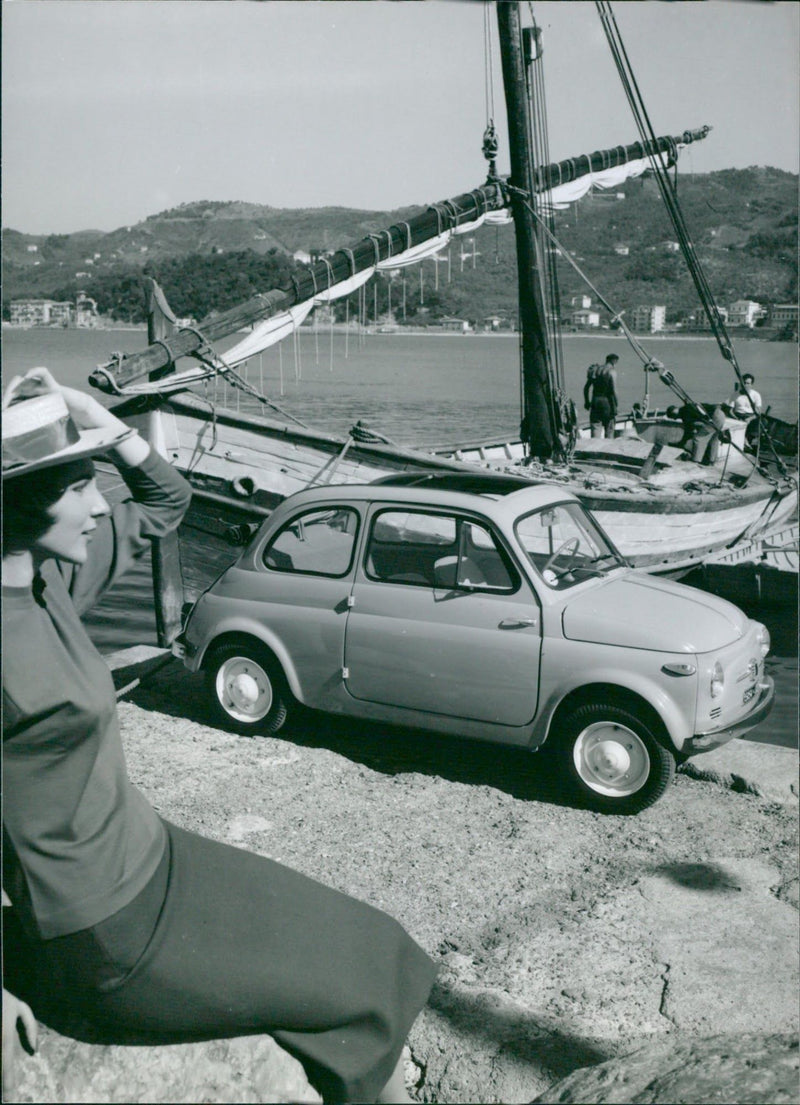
(242, 466)
(763, 570)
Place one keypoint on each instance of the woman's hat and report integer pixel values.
(38, 432)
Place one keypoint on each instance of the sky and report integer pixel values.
(113, 110)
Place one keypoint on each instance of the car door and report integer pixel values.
(307, 569)
(441, 620)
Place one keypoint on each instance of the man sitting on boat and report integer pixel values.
(745, 402)
(600, 396)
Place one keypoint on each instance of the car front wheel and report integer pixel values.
(613, 759)
(247, 689)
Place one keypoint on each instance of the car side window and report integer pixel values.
(437, 551)
(319, 542)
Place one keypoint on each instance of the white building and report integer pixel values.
(85, 311)
(585, 318)
(745, 312)
(40, 312)
(648, 319)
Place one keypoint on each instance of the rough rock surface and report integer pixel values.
(565, 938)
(732, 1068)
(248, 1069)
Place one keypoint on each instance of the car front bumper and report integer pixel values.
(713, 738)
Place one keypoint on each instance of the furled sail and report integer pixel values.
(563, 195)
(280, 326)
(404, 243)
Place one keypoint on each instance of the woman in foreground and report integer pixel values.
(155, 934)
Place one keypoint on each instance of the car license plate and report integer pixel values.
(749, 693)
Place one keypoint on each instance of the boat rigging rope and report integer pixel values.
(212, 359)
(667, 189)
(616, 316)
(669, 195)
(488, 70)
(650, 363)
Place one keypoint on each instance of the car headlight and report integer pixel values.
(763, 639)
(717, 680)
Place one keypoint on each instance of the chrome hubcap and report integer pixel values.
(244, 689)
(611, 759)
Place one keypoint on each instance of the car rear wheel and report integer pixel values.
(247, 688)
(613, 759)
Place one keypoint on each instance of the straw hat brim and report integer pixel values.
(90, 443)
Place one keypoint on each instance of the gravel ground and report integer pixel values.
(564, 937)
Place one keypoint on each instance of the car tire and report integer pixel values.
(613, 760)
(247, 688)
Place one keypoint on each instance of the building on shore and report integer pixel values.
(698, 323)
(649, 320)
(585, 318)
(41, 312)
(51, 312)
(745, 312)
(784, 316)
(86, 311)
(453, 325)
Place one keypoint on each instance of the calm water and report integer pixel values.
(430, 390)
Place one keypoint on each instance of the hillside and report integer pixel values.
(209, 254)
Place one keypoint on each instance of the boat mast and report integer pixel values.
(539, 429)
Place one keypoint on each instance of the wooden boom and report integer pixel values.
(346, 262)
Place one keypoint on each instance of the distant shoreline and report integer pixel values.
(415, 332)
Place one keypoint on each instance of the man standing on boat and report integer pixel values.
(600, 396)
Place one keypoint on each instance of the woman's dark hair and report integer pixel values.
(27, 501)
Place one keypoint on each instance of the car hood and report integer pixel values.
(640, 611)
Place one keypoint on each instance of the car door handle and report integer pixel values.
(518, 623)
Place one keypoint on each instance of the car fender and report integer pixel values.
(675, 702)
(246, 627)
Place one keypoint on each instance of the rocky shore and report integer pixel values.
(566, 940)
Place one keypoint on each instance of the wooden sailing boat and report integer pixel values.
(663, 512)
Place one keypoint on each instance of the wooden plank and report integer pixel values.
(166, 555)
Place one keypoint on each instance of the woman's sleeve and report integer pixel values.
(160, 498)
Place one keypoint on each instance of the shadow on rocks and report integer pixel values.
(520, 1035)
(388, 749)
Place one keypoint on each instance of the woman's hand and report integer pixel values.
(19, 1029)
(84, 409)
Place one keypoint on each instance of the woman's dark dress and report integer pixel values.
(159, 935)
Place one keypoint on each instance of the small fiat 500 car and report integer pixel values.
(484, 606)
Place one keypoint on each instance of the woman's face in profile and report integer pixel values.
(74, 517)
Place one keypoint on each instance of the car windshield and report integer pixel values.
(565, 545)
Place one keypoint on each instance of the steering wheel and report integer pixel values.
(569, 546)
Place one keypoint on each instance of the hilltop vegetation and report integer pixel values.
(210, 255)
